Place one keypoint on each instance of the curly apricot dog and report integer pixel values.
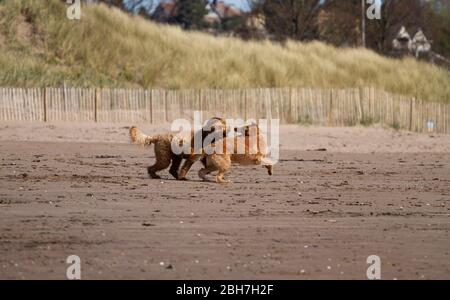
(248, 149)
(163, 151)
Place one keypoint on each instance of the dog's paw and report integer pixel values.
(174, 175)
(220, 180)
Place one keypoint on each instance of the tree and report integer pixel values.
(294, 19)
(339, 23)
(440, 27)
(190, 13)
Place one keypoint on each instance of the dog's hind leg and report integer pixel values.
(176, 162)
(162, 162)
(158, 166)
(152, 173)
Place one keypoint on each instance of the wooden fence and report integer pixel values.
(329, 107)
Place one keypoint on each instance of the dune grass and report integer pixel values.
(39, 46)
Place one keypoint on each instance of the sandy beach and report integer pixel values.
(82, 189)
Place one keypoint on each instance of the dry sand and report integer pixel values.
(292, 137)
(82, 189)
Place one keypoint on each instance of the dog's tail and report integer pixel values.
(139, 138)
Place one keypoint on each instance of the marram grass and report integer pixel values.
(39, 47)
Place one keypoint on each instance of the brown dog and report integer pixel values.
(248, 149)
(163, 151)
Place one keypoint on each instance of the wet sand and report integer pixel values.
(83, 190)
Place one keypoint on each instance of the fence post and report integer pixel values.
(361, 113)
(45, 103)
(289, 111)
(96, 98)
(150, 92)
(166, 93)
(410, 114)
(245, 104)
(200, 100)
(330, 113)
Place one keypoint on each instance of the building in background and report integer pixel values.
(419, 45)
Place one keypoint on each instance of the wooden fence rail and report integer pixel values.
(330, 107)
